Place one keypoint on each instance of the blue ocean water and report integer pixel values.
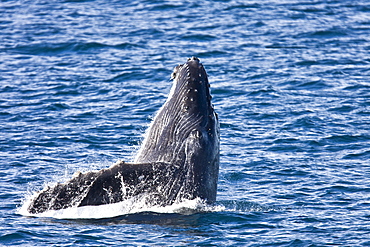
(81, 80)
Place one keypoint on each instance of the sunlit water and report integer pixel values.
(80, 82)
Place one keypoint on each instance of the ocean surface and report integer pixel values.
(80, 81)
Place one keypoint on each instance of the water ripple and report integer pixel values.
(80, 81)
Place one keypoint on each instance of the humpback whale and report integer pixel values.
(178, 159)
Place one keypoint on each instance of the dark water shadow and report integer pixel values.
(147, 218)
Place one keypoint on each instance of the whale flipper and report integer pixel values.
(115, 184)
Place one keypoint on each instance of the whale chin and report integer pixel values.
(178, 159)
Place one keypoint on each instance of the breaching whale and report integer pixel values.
(178, 159)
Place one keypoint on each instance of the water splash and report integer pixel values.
(134, 205)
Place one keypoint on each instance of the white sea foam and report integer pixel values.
(133, 205)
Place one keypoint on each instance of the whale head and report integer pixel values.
(185, 131)
(187, 114)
